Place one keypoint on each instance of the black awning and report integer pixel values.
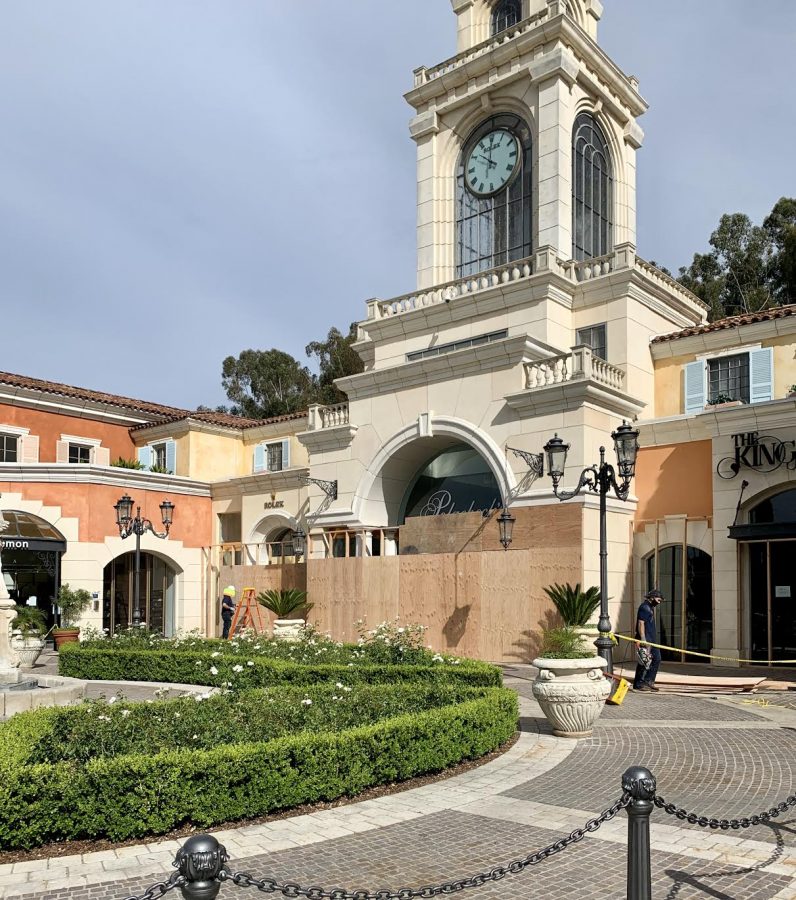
(766, 531)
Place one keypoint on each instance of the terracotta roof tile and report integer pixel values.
(226, 420)
(776, 312)
(78, 393)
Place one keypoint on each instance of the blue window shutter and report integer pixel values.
(145, 457)
(259, 457)
(694, 384)
(171, 456)
(286, 453)
(761, 375)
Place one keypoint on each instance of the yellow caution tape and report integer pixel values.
(735, 659)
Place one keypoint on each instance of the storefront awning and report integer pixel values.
(765, 531)
(28, 532)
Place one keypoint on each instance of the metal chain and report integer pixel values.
(162, 887)
(289, 889)
(726, 824)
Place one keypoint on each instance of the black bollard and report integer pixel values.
(640, 784)
(201, 859)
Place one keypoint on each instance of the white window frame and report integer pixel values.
(74, 440)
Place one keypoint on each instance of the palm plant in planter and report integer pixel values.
(570, 686)
(72, 603)
(290, 607)
(576, 607)
(28, 628)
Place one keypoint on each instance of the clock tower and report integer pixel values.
(531, 71)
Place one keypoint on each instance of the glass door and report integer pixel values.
(772, 607)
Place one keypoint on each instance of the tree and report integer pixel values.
(265, 383)
(336, 358)
(750, 267)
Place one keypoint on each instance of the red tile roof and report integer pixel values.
(765, 315)
(161, 414)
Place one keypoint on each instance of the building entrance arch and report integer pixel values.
(271, 540)
(381, 496)
(158, 593)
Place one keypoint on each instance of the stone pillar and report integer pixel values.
(9, 659)
(390, 542)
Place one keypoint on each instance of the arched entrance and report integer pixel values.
(31, 551)
(455, 480)
(770, 538)
(686, 614)
(273, 537)
(157, 605)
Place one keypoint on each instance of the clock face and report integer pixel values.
(492, 163)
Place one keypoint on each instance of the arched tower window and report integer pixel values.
(592, 190)
(494, 228)
(506, 14)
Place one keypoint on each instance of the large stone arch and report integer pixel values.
(381, 488)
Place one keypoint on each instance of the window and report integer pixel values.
(728, 378)
(158, 456)
(506, 14)
(273, 456)
(739, 376)
(594, 337)
(79, 453)
(457, 345)
(592, 190)
(9, 452)
(495, 230)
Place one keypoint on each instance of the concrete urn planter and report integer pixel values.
(572, 693)
(28, 647)
(288, 629)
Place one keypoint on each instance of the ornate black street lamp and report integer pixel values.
(599, 480)
(506, 525)
(299, 542)
(138, 526)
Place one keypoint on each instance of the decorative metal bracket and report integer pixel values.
(534, 461)
(328, 487)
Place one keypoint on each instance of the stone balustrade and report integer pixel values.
(322, 417)
(592, 268)
(424, 75)
(579, 364)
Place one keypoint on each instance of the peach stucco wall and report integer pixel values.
(49, 426)
(676, 479)
(92, 505)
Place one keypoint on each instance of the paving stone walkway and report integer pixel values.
(724, 756)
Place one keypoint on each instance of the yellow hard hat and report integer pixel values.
(229, 591)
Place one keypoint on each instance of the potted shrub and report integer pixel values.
(290, 608)
(576, 608)
(28, 628)
(570, 686)
(72, 603)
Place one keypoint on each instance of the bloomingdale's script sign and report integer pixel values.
(761, 453)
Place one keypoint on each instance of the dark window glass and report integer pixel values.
(274, 457)
(494, 231)
(728, 376)
(79, 454)
(457, 345)
(8, 448)
(779, 508)
(592, 190)
(506, 14)
(595, 338)
(159, 456)
(457, 480)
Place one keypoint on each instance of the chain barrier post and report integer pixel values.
(201, 861)
(640, 784)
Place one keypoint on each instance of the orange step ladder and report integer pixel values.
(248, 614)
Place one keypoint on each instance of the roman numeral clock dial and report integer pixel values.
(492, 163)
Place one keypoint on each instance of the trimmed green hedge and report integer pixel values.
(149, 793)
(196, 667)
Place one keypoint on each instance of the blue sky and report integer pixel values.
(184, 179)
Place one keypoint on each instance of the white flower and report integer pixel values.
(113, 699)
(104, 718)
(213, 670)
(215, 653)
(436, 658)
(250, 663)
(196, 737)
(338, 685)
(237, 668)
(306, 701)
(125, 713)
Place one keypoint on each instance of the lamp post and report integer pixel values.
(599, 480)
(299, 542)
(129, 525)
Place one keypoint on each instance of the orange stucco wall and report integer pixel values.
(92, 505)
(49, 426)
(676, 479)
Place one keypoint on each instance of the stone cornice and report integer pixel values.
(70, 406)
(570, 395)
(325, 439)
(259, 483)
(459, 364)
(131, 479)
